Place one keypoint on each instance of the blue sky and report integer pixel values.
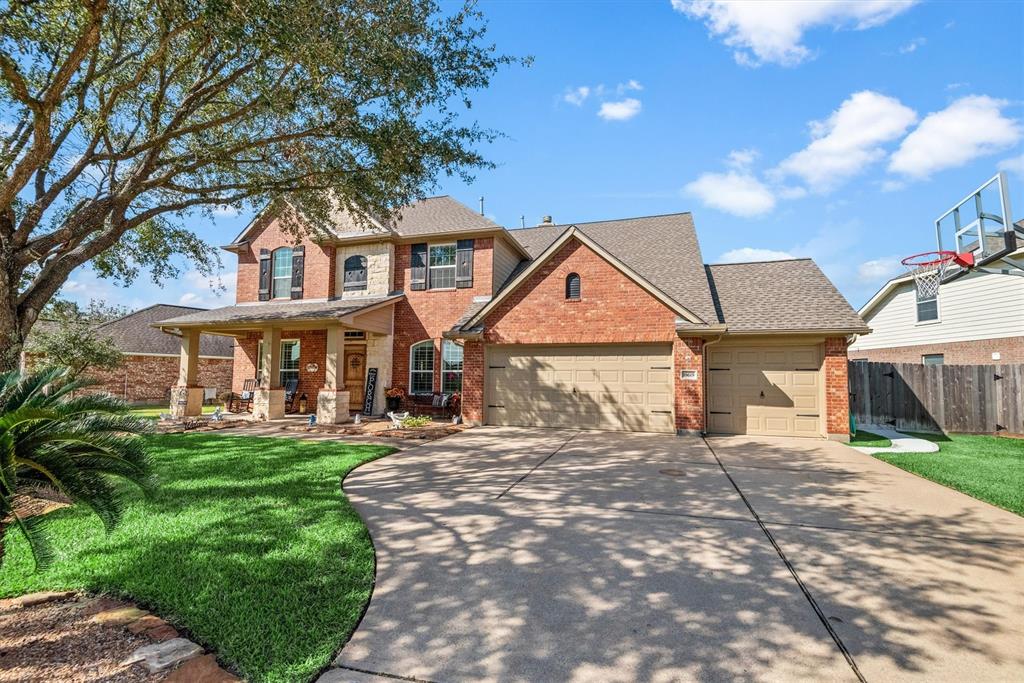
(837, 130)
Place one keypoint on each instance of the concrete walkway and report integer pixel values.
(546, 555)
(901, 443)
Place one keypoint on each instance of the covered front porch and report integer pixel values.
(330, 357)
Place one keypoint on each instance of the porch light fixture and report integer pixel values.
(302, 404)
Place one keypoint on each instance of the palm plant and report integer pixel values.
(78, 446)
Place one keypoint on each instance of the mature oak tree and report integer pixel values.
(120, 119)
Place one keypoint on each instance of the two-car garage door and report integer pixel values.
(771, 390)
(626, 388)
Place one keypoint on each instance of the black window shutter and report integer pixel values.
(298, 261)
(418, 261)
(264, 274)
(464, 264)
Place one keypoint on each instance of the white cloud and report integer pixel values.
(747, 254)
(577, 96)
(620, 111)
(225, 210)
(971, 127)
(893, 185)
(735, 192)
(631, 84)
(879, 270)
(772, 30)
(207, 292)
(912, 45)
(742, 159)
(1013, 165)
(956, 86)
(848, 141)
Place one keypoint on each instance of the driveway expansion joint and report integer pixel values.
(792, 570)
(383, 674)
(538, 465)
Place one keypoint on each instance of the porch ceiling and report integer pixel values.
(289, 315)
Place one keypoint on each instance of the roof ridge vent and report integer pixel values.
(546, 220)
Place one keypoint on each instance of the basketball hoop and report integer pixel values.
(928, 269)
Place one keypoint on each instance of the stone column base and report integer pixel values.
(332, 407)
(186, 401)
(268, 404)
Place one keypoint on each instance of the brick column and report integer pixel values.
(473, 383)
(837, 391)
(688, 354)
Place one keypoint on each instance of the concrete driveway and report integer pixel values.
(546, 555)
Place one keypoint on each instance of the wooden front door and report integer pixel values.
(355, 375)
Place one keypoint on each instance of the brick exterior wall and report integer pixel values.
(312, 349)
(837, 388)
(318, 265)
(611, 309)
(429, 313)
(978, 352)
(148, 379)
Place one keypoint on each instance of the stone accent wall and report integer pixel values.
(611, 309)
(148, 379)
(978, 352)
(318, 280)
(837, 389)
(379, 260)
(429, 313)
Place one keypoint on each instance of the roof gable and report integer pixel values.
(134, 334)
(663, 250)
(570, 233)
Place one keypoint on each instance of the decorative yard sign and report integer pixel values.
(371, 389)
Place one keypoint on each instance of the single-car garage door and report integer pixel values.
(772, 390)
(626, 388)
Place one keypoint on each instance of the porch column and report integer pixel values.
(332, 400)
(268, 400)
(187, 395)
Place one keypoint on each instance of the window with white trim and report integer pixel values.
(281, 287)
(451, 367)
(441, 266)
(289, 364)
(927, 310)
(421, 367)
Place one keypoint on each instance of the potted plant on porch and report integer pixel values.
(393, 398)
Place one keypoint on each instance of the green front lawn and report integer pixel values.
(249, 546)
(869, 440)
(989, 468)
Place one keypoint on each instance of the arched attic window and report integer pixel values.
(355, 273)
(572, 286)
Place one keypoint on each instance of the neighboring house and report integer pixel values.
(977, 318)
(152, 358)
(607, 325)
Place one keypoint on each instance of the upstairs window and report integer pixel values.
(441, 266)
(355, 274)
(927, 310)
(421, 368)
(572, 286)
(282, 273)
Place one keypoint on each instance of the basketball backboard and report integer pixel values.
(978, 222)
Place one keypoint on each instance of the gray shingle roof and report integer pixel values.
(277, 312)
(440, 214)
(134, 333)
(774, 296)
(662, 249)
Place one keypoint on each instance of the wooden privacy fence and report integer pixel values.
(929, 398)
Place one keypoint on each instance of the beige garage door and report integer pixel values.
(773, 390)
(626, 388)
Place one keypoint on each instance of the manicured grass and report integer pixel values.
(869, 440)
(154, 411)
(248, 544)
(989, 468)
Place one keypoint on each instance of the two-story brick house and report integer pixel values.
(608, 325)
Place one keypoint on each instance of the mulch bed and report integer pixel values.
(60, 641)
(381, 429)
